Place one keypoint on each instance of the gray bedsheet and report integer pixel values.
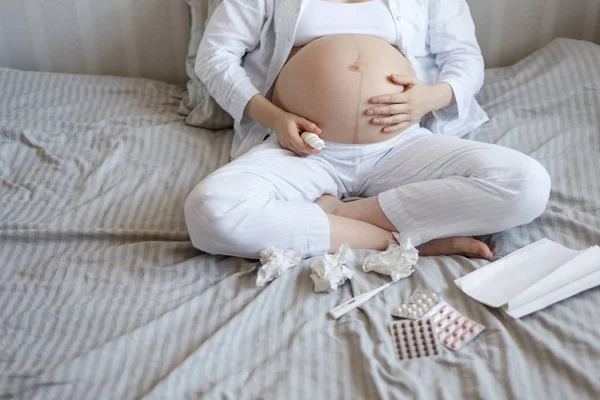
(102, 295)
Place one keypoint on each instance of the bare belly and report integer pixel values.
(330, 81)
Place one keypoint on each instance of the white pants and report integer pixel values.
(429, 186)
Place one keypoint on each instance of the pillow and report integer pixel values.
(197, 105)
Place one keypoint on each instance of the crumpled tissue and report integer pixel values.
(274, 263)
(329, 271)
(396, 261)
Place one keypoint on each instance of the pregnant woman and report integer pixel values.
(390, 86)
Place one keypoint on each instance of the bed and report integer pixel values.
(102, 295)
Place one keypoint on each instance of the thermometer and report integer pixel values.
(355, 302)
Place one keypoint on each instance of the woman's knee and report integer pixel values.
(216, 212)
(533, 192)
(202, 216)
(524, 185)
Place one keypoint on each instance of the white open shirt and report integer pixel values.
(436, 36)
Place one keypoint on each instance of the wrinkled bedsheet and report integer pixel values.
(102, 295)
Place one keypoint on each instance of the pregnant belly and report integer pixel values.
(330, 81)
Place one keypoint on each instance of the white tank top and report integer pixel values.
(321, 18)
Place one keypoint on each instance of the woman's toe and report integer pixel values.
(474, 248)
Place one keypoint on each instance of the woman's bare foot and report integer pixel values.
(459, 245)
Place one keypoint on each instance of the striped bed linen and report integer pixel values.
(102, 295)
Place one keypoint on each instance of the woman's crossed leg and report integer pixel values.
(266, 199)
(440, 191)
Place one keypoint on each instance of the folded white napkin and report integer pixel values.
(533, 277)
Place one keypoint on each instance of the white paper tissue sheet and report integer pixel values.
(533, 277)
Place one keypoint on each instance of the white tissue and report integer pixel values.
(313, 140)
(396, 261)
(534, 277)
(329, 271)
(274, 263)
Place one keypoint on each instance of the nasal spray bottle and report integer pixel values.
(313, 140)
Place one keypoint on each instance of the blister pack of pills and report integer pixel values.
(420, 303)
(453, 330)
(414, 339)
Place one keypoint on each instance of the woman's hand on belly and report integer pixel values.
(331, 80)
(410, 104)
(288, 127)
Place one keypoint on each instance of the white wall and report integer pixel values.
(149, 38)
(509, 30)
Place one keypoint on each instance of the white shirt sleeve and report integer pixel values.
(233, 30)
(453, 43)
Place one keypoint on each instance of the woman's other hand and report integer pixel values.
(401, 110)
(287, 126)
(288, 129)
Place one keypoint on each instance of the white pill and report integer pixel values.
(429, 302)
(419, 310)
(434, 296)
(423, 296)
(413, 306)
(419, 301)
(404, 306)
